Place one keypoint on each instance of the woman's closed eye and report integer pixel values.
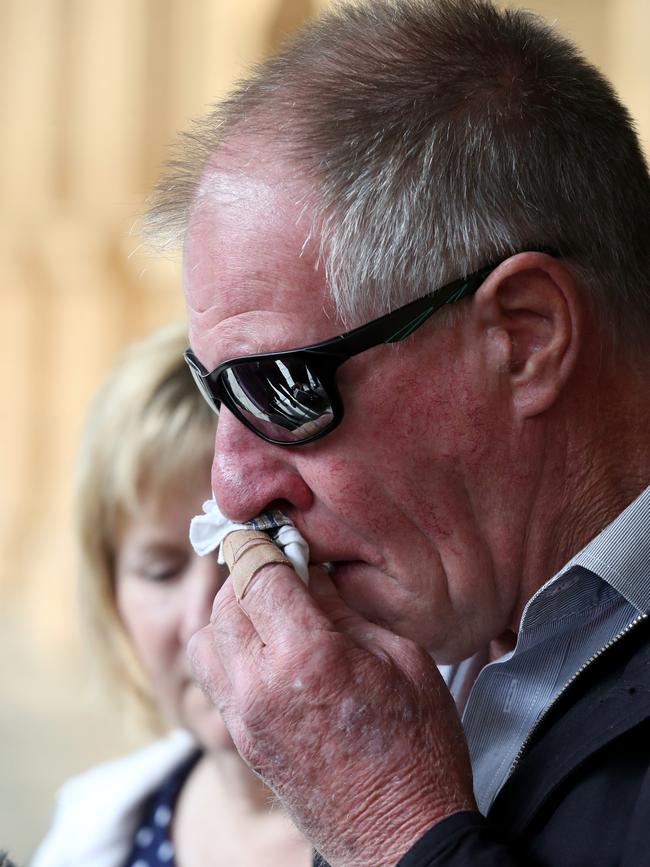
(162, 572)
(160, 564)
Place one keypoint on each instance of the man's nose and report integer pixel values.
(249, 475)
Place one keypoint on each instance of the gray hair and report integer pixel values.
(438, 136)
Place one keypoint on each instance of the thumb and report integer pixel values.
(345, 619)
(320, 582)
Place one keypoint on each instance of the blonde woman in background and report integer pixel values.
(188, 799)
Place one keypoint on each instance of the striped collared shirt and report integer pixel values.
(595, 596)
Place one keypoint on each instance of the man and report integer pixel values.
(455, 461)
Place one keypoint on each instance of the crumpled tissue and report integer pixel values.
(207, 532)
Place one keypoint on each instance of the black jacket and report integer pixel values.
(580, 794)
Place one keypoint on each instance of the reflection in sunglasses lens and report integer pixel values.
(282, 398)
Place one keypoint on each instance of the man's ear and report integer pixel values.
(531, 312)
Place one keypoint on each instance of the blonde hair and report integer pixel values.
(147, 424)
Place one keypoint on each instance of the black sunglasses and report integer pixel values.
(290, 398)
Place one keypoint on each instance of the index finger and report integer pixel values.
(280, 607)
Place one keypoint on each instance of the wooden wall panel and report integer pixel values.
(20, 301)
(106, 102)
(628, 61)
(30, 70)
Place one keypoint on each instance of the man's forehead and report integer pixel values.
(246, 166)
(252, 246)
(243, 183)
(221, 186)
(249, 252)
(236, 207)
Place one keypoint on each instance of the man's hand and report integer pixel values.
(351, 725)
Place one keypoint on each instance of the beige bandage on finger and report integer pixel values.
(245, 552)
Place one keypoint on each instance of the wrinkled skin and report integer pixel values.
(363, 743)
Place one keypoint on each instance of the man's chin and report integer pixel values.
(371, 593)
(380, 598)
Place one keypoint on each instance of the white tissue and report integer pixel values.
(207, 532)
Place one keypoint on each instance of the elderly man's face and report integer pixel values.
(406, 495)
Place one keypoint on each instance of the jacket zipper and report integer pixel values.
(609, 644)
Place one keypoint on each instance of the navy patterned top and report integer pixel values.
(152, 845)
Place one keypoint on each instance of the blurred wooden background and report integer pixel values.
(92, 92)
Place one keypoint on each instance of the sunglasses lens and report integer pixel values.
(282, 398)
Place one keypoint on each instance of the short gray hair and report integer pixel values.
(438, 136)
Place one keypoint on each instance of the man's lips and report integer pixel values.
(330, 543)
(330, 564)
(334, 568)
(338, 569)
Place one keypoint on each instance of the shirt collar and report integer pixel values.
(619, 556)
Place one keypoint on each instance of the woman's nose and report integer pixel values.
(249, 474)
(205, 578)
